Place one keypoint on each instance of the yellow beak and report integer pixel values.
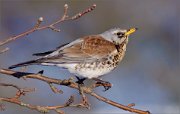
(130, 31)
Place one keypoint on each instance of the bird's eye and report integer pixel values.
(120, 34)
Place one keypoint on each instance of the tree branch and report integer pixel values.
(4, 50)
(52, 25)
(43, 109)
(71, 84)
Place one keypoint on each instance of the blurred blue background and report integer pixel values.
(148, 76)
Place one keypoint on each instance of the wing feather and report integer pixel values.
(89, 48)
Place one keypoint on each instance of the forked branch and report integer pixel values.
(51, 26)
(71, 84)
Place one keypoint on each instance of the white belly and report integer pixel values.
(87, 72)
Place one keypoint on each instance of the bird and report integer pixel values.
(90, 57)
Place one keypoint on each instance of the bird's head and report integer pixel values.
(117, 35)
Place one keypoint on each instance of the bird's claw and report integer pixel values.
(40, 72)
(106, 85)
(80, 80)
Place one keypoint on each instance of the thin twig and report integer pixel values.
(50, 26)
(10, 85)
(84, 102)
(43, 109)
(124, 107)
(21, 92)
(54, 89)
(4, 50)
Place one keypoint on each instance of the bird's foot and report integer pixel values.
(40, 72)
(80, 80)
(107, 85)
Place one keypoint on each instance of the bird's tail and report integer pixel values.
(31, 62)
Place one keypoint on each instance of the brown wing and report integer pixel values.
(91, 46)
(97, 47)
(88, 48)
